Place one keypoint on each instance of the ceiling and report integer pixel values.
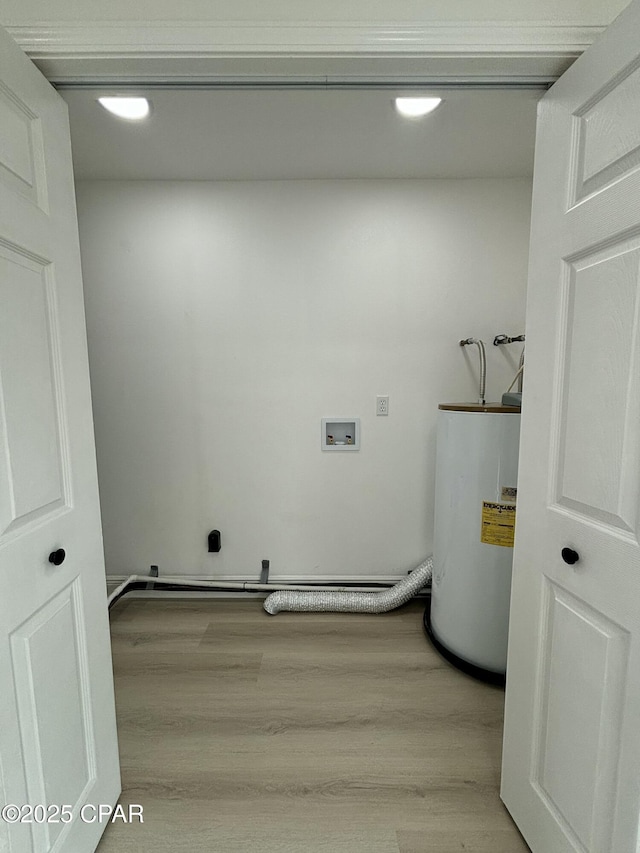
(296, 134)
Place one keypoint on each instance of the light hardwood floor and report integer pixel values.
(300, 733)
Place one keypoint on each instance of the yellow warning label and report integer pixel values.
(498, 524)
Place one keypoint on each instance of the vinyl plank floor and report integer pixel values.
(303, 732)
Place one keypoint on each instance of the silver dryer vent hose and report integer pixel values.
(352, 602)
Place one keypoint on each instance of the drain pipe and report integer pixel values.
(237, 586)
(335, 601)
(521, 369)
(500, 340)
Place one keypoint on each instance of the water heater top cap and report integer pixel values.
(478, 407)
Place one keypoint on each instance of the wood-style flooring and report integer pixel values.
(242, 732)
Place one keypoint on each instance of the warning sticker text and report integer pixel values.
(498, 524)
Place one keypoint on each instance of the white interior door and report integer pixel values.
(571, 766)
(58, 742)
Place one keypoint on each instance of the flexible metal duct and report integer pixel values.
(352, 602)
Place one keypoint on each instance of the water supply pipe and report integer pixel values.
(483, 366)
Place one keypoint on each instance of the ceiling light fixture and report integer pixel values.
(133, 109)
(416, 107)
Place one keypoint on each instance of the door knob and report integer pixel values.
(57, 557)
(570, 556)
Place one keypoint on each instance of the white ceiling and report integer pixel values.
(291, 134)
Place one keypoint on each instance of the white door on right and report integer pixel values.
(571, 764)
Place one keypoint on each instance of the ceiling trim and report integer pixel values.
(201, 51)
(327, 37)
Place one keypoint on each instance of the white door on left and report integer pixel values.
(58, 744)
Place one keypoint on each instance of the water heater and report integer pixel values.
(475, 513)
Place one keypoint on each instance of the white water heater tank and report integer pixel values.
(475, 511)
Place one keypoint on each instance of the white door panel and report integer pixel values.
(60, 764)
(32, 412)
(572, 751)
(21, 148)
(57, 734)
(607, 130)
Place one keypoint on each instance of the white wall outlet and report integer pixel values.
(382, 405)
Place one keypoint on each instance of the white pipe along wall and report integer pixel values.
(225, 320)
(300, 597)
(238, 586)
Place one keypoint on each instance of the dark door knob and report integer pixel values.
(57, 557)
(570, 556)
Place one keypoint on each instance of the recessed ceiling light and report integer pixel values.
(416, 107)
(131, 108)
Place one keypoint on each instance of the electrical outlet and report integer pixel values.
(382, 405)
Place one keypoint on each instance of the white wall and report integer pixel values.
(226, 319)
